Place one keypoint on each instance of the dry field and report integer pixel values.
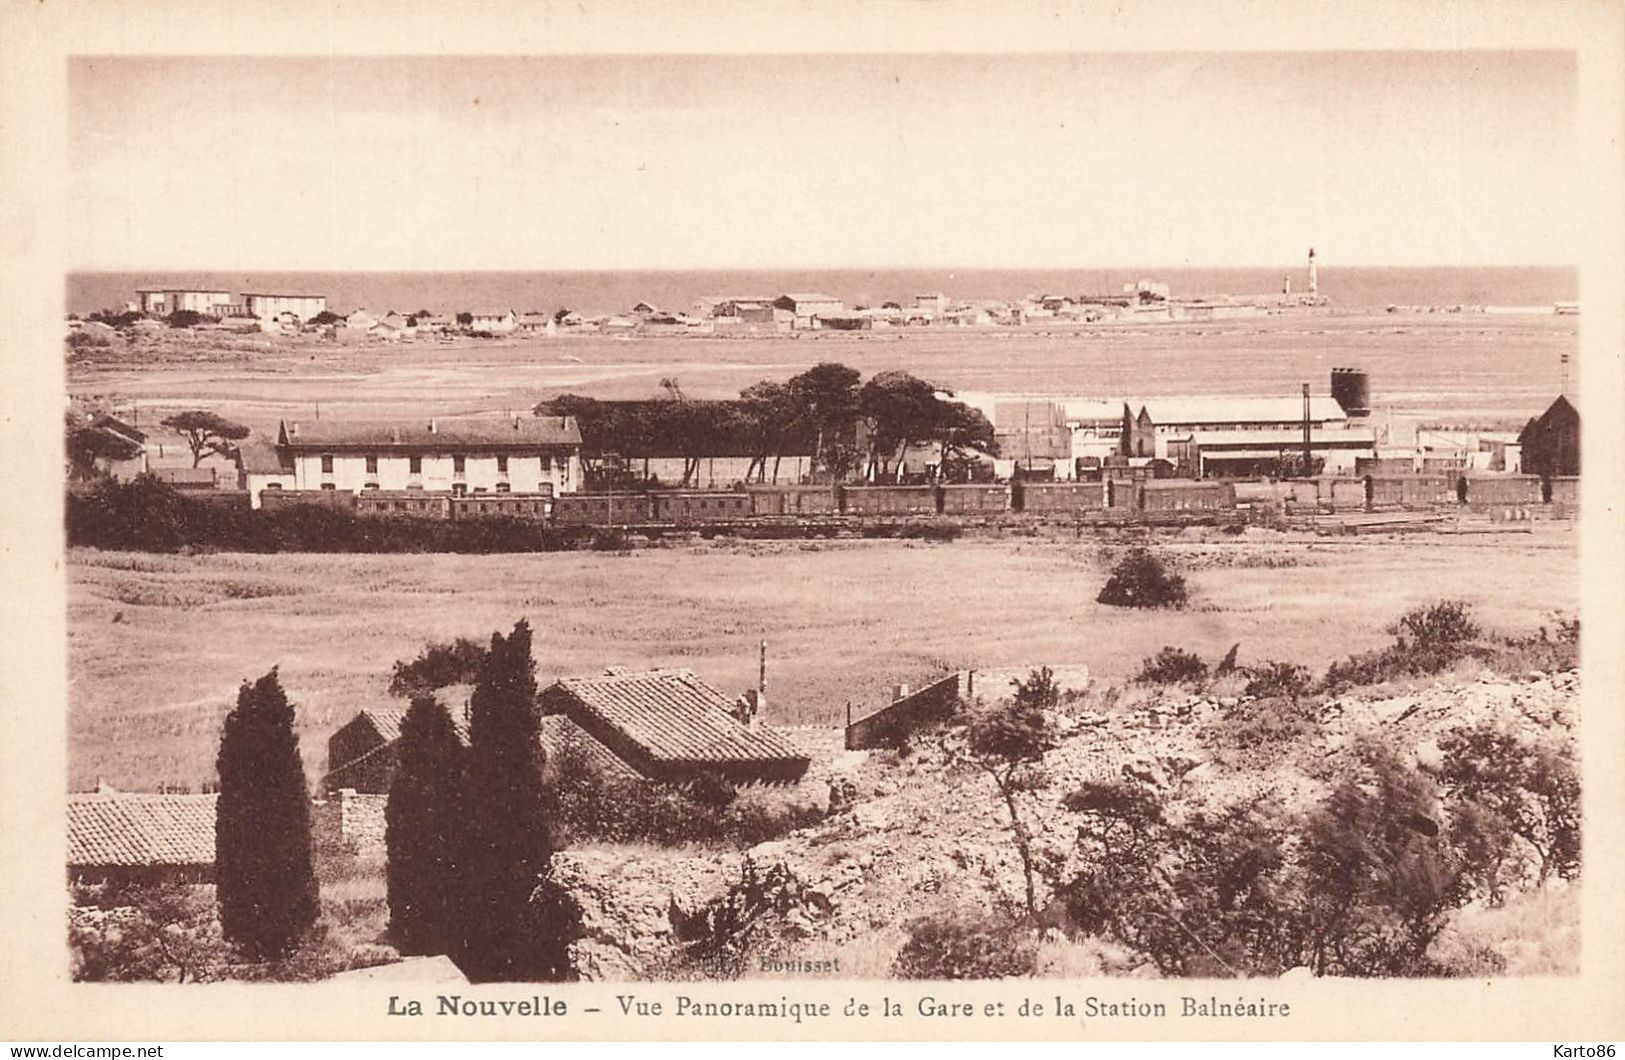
(158, 644)
(1459, 368)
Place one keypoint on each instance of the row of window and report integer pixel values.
(415, 464)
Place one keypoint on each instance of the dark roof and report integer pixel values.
(186, 476)
(674, 717)
(521, 433)
(559, 733)
(118, 426)
(259, 457)
(556, 733)
(138, 830)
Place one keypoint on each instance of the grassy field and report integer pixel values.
(1457, 368)
(158, 644)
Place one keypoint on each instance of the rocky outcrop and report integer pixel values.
(912, 834)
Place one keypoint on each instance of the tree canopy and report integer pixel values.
(425, 820)
(504, 934)
(264, 880)
(205, 432)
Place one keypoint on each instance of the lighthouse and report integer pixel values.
(1314, 283)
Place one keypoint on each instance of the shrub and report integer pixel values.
(965, 946)
(1524, 789)
(1380, 878)
(145, 932)
(437, 666)
(87, 340)
(1140, 579)
(1276, 678)
(1428, 640)
(1172, 666)
(1443, 625)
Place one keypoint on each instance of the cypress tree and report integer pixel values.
(264, 879)
(504, 934)
(424, 822)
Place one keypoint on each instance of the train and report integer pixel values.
(1109, 500)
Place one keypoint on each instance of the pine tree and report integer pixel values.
(264, 880)
(424, 824)
(505, 935)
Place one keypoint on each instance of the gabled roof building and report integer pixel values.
(671, 726)
(127, 837)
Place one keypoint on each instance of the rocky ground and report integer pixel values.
(921, 831)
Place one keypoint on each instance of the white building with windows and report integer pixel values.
(162, 301)
(538, 454)
(270, 306)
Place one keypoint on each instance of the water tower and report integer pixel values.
(1351, 388)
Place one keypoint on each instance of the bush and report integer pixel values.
(164, 932)
(1445, 625)
(437, 666)
(1140, 579)
(1428, 640)
(1361, 887)
(708, 809)
(1520, 789)
(1276, 678)
(1172, 666)
(966, 946)
(85, 339)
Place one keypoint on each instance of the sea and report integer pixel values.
(616, 292)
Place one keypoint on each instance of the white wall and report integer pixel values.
(525, 474)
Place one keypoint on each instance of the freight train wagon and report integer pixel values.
(1408, 491)
(973, 498)
(794, 500)
(602, 509)
(401, 502)
(501, 506)
(1060, 496)
(1500, 489)
(1183, 495)
(696, 507)
(889, 500)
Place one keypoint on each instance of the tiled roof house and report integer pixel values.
(138, 837)
(361, 754)
(671, 726)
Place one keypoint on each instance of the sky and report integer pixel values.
(831, 161)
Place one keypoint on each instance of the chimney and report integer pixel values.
(760, 706)
(899, 692)
(432, 427)
(293, 429)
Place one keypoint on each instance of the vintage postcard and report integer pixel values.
(908, 521)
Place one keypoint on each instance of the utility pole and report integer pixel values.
(1307, 448)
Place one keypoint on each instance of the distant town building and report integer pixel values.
(805, 308)
(162, 301)
(496, 321)
(270, 306)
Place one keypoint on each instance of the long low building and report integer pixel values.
(128, 837)
(1245, 453)
(663, 725)
(523, 455)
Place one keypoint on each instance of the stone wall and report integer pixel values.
(349, 823)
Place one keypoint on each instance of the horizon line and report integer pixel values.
(829, 268)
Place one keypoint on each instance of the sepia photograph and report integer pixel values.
(728, 524)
